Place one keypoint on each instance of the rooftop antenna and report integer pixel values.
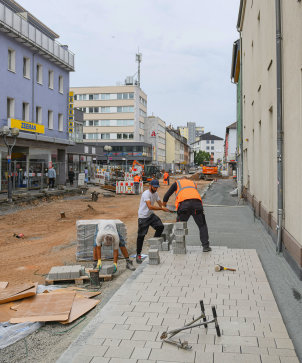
(139, 59)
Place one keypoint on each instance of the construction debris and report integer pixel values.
(3, 284)
(19, 235)
(18, 292)
(62, 214)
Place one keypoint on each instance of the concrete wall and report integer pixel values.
(260, 119)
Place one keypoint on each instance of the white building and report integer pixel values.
(155, 134)
(230, 148)
(212, 144)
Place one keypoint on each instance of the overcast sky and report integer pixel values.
(186, 47)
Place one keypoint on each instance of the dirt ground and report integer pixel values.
(51, 241)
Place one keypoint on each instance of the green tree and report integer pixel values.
(201, 156)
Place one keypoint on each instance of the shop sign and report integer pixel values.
(26, 126)
(70, 112)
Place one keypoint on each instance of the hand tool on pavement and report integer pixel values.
(167, 335)
(222, 268)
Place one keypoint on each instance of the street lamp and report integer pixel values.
(107, 148)
(13, 132)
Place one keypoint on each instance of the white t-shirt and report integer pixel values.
(143, 210)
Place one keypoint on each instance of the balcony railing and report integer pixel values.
(15, 23)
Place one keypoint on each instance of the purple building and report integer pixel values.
(34, 96)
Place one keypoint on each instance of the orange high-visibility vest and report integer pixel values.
(136, 178)
(166, 176)
(186, 189)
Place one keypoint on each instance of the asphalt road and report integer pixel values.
(232, 224)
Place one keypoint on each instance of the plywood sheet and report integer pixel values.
(44, 307)
(17, 292)
(6, 313)
(80, 307)
(80, 293)
(3, 284)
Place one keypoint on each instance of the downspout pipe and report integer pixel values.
(241, 120)
(279, 125)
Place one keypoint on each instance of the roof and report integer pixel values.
(208, 136)
(17, 8)
(235, 70)
(232, 126)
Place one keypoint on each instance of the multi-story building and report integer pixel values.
(199, 130)
(230, 147)
(115, 116)
(271, 58)
(34, 74)
(212, 144)
(177, 150)
(155, 134)
(191, 132)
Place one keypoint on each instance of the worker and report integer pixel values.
(188, 203)
(147, 218)
(166, 178)
(109, 236)
(51, 177)
(136, 180)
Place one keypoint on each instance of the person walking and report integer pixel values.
(51, 177)
(188, 203)
(166, 178)
(147, 218)
(71, 176)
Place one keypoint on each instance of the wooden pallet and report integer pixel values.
(79, 281)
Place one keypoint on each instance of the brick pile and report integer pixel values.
(179, 242)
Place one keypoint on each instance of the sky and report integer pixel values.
(186, 51)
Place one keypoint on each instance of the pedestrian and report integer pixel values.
(188, 203)
(136, 180)
(51, 177)
(86, 174)
(166, 178)
(71, 176)
(147, 218)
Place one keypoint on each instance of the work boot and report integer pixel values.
(129, 265)
(139, 259)
(207, 249)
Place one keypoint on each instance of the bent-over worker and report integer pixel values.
(188, 203)
(147, 218)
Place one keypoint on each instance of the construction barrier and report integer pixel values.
(127, 187)
(129, 176)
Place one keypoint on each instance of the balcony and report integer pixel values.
(19, 27)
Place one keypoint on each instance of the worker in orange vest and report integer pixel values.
(166, 178)
(136, 180)
(188, 203)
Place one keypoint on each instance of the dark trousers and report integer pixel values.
(143, 227)
(51, 182)
(194, 208)
(71, 181)
(136, 188)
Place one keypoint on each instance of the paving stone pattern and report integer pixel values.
(157, 298)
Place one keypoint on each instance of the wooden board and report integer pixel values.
(79, 293)
(44, 307)
(17, 292)
(80, 307)
(3, 284)
(6, 313)
(78, 281)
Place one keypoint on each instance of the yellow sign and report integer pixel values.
(70, 130)
(26, 126)
(70, 124)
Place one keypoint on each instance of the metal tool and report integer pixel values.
(222, 268)
(167, 335)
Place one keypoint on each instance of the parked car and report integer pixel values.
(192, 170)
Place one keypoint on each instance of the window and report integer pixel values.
(38, 115)
(10, 108)
(208, 141)
(93, 150)
(105, 109)
(50, 79)
(39, 74)
(212, 147)
(212, 141)
(142, 113)
(142, 101)
(60, 122)
(90, 97)
(50, 120)
(26, 67)
(105, 136)
(25, 111)
(208, 148)
(61, 84)
(125, 96)
(11, 60)
(105, 96)
(141, 125)
(125, 109)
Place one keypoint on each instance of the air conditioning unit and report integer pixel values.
(129, 81)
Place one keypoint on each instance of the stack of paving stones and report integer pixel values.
(156, 243)
(154, 258)
(179, 241)
(86, 230)
(65, 272)
(167, 235)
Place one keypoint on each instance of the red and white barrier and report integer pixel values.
(127, 187)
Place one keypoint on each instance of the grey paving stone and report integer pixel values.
(107, 269)
(180, 225)
(153, 253)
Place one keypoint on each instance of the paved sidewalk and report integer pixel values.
(156, 298)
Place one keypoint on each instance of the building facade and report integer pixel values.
(177, 150)
(272, 116)
(155, 134)
(191, 132)
(112, 113)
(230, 148)
(212, 144)
(34, 74)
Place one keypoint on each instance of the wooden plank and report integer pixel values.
(44, 307)
(3, 284)
(6, 313)
(77, 281)
(80, 307)
(18, 292)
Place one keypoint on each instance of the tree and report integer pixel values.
(201, 156)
